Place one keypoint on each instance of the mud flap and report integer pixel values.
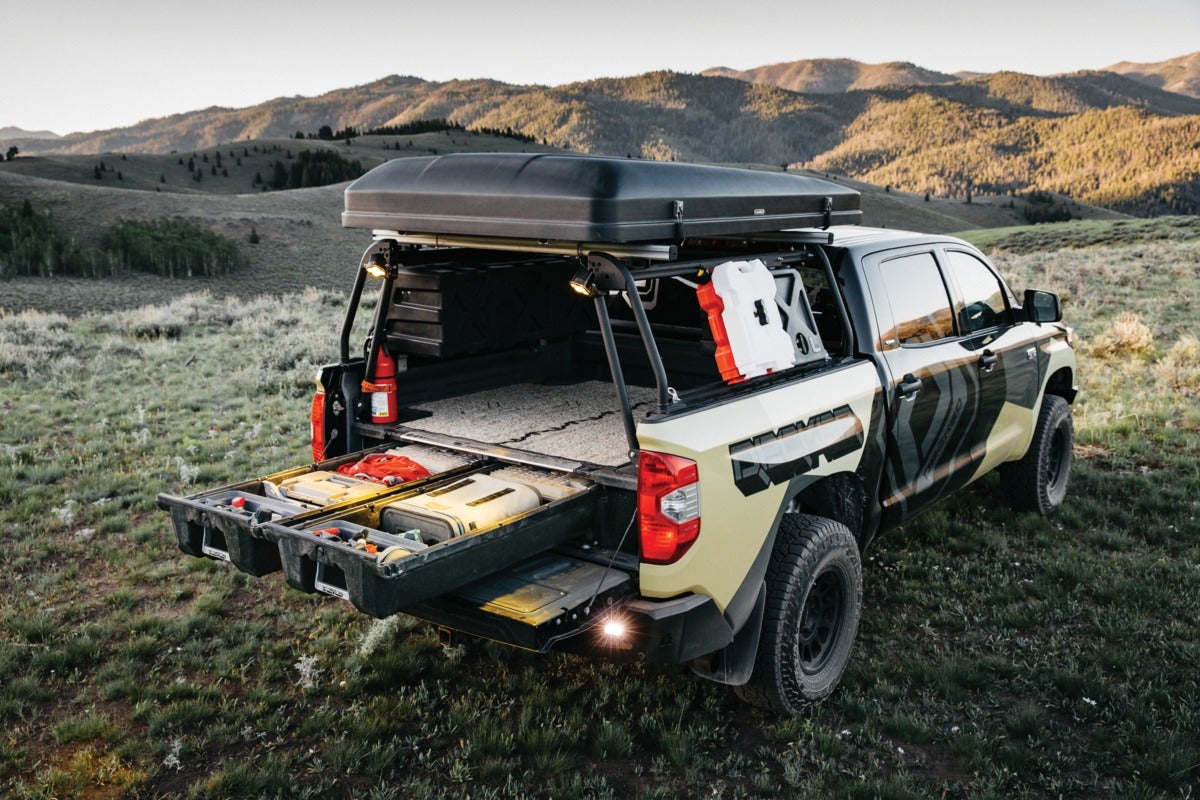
(734, 664)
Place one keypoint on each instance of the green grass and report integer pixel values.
(999, 655)
(1084, 233)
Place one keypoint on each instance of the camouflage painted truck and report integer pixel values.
(646, 410)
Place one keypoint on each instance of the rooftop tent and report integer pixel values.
(587, 198)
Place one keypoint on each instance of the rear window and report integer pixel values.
(918, 298)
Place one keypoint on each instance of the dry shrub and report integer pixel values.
(1128, 335)
(1179, 369)
(32, 341)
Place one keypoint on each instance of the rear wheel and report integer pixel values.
(813, 603)
(1038, 482)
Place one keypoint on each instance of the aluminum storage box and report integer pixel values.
(587, 198)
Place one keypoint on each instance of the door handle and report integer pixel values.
(987, 361)
(909, 386)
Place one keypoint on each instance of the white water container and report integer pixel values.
(757, 339)
(465, 506)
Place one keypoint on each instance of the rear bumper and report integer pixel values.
(658, 631)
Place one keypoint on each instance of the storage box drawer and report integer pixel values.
(225, 524)
(381, 585)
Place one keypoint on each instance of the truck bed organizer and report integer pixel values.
(225, 524)
(380, 580)
(533, 603)
(482, 305)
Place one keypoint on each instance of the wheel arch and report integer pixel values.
(840, 497)
(1062, 383)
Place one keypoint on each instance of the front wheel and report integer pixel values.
(1038, 482)
(813, 603)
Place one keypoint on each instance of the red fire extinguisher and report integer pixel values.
(384, 408)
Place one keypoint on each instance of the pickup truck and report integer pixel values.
(643, 410)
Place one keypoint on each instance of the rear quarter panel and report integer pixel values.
(749, 450)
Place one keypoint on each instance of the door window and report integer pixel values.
(983, 294)
(918, 297)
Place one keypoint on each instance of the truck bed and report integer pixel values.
(581, 422)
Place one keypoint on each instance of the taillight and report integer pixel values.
(316, 421)
(668, 506)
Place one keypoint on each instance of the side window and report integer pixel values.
(920, 303)
(983, 294)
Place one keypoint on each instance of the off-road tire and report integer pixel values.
(813, 602)
(1038, 482)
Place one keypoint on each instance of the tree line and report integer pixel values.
(310, 168)
(31, 244)
(430, 125)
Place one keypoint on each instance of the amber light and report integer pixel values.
(316, 421)
(668, 506)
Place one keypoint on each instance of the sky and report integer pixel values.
(81, 66)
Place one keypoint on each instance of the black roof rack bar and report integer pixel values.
(847, 331)
(614, 366)
(679, 269)
(356, 294)
(647, 251)
(604, 264)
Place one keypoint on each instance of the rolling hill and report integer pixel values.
(1101, 137)
(1180, 75)
(11, 132)
(834, 75)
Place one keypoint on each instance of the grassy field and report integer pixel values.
(999, 655)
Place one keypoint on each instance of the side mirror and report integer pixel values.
(1042, 306)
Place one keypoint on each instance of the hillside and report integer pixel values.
(301, 241)
(1119, 158)
(1004, 132)
(834, 75)
(11, 132)
(1180, 75)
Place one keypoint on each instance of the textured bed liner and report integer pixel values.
(580, 421)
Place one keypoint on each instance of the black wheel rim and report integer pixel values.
(820, 621)
(1056, 468)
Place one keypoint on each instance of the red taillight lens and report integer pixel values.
(316, 421)
(668, 506)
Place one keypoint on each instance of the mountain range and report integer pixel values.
(1127, 138)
